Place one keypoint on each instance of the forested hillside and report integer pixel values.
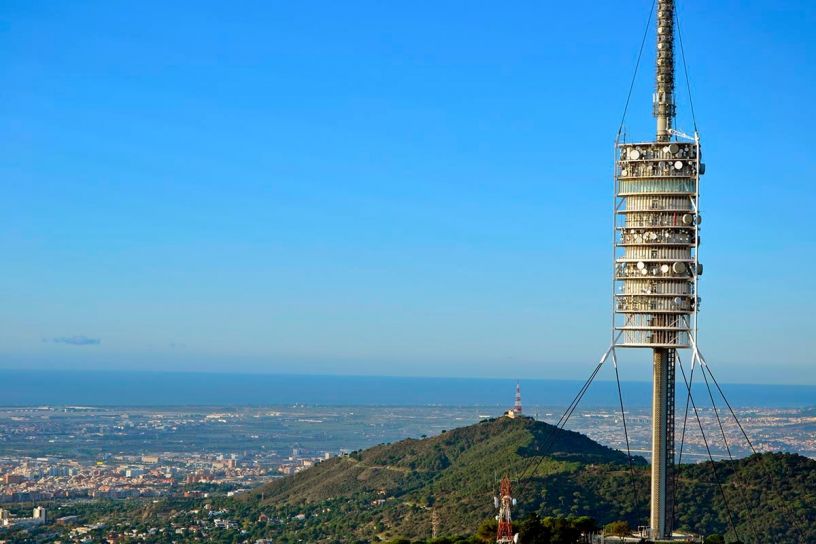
(391, 490)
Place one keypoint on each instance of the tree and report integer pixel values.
(586, 526)
(715, 539)
(532, 531)
(563, 532)
(487, 531)
(617, 528)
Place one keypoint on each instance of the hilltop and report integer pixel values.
(460, 465)
(390, 490)
(393, 486)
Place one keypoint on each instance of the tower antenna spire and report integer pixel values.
(663, 101)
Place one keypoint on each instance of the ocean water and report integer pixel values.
(110, 388)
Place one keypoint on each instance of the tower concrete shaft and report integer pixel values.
(662, 496)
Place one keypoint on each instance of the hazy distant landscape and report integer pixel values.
(297, 473)
(92, 433)
(168, 446)
(62, 426)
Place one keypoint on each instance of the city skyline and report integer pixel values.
(380, 190)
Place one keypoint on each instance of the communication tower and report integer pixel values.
(504, 502)
(517, 405)
(656, 268)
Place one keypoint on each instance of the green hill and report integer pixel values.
(391, 490)
(455, 471)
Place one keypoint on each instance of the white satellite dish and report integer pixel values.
(678, 165)
(678, 300)
(679, 268)
(634, 154)
(641, 265)
(624, 172)
(643, 271)
(664, 268)
(674, 148)
(688, 219)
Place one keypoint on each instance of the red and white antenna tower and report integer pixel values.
(504, 502)
(517, 406)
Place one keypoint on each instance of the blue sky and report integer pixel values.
(416, 188)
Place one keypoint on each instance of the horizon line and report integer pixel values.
(215, 372)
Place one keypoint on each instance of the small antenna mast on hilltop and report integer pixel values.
(517, 405)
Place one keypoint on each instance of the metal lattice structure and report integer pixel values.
(668, 502)
(504, 502)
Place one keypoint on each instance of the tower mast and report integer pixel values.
(656, 269)
(663, 359)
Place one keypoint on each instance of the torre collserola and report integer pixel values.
(656, 268)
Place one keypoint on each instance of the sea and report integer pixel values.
(132, 388)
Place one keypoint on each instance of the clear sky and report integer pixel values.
(392, 188)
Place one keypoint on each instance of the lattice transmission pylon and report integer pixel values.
(505, 502)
